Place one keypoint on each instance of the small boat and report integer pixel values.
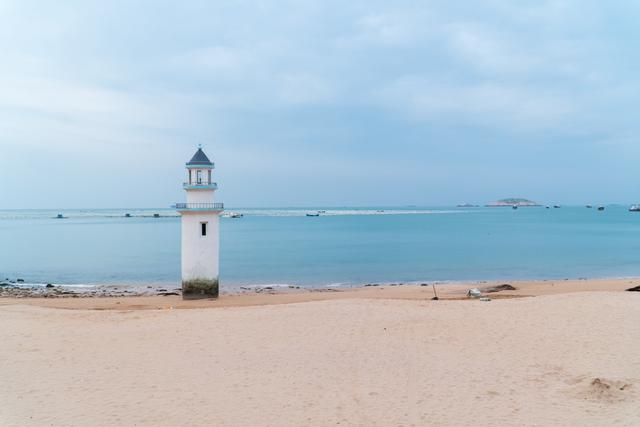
(313, 214)
(127, 215)
(60, 216)
(556, 206)
(156, 215)
(514, 207)
(601, 208)
(589, 206)
(634, 208)
(232, 215)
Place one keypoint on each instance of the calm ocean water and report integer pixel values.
(344, 246)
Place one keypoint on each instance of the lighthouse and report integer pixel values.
(200, 217)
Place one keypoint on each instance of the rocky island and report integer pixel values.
(512, 202)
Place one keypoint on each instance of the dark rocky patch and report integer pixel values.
(634, 289)
(505, 287)
(199, 288)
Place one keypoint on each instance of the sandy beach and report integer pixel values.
(548, 353)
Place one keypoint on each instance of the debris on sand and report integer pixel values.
(605, 390)
(498, 288)
(634, 289)
(474, 293)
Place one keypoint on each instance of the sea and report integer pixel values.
(342, 247)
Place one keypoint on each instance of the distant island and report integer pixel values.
(512, 202)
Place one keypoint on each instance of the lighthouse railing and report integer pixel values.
(202, 184)
(212, 206)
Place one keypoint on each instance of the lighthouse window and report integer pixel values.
(203, 228)
(199, 176)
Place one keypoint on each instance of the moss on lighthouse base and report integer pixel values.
(200, 288)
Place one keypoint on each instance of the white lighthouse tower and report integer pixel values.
(200, 230)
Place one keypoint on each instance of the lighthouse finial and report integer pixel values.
(200, 146)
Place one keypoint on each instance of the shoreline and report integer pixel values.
(114, 297)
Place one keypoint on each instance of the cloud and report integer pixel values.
(489, 51)
(487, 104)
(357, 84)
(394, 28)
(301, 89)
(216, 59)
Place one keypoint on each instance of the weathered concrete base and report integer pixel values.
(200, 288)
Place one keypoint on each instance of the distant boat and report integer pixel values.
(589, 206)
(600, 208)
(127, 215)
(232, 215)
(514, 207)
(634, 208)
(556, 206)
(313, 214)
(60, 216)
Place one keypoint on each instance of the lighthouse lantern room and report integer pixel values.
(200, 217)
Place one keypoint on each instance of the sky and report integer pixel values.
(319, 103)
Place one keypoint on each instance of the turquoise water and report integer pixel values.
(343, 246)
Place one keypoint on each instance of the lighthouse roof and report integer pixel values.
(199, 159)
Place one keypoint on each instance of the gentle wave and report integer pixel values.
(170, 213)
(343, 212)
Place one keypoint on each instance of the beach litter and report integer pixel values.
(485, 299)
(474, 293)
(435, 298)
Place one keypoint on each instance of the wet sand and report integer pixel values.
(288, 296)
